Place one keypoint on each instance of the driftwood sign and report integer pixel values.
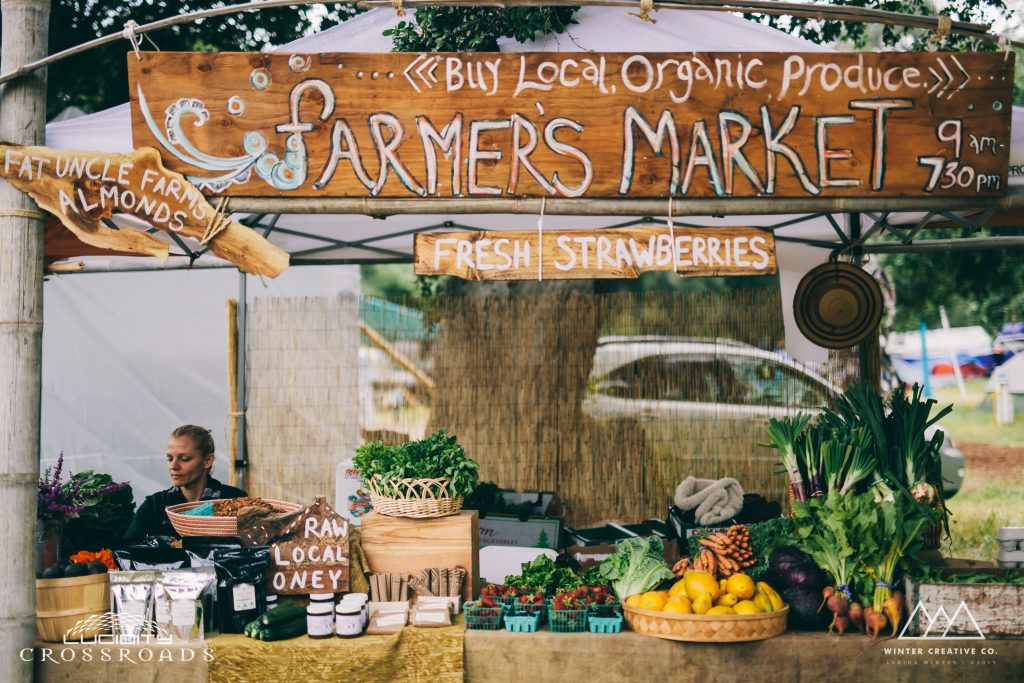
(578, 125)
(308, 549)
(83, 188)
(607, 253)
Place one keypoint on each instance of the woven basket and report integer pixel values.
(418, 498)
(191, 525)
(706, 628)
(75, 604)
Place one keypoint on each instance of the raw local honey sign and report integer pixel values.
(607, 253)
(579, 124)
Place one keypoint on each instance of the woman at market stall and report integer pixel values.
(189, 463)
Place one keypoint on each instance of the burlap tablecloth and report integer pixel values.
(413, 654)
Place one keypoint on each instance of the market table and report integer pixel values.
(432, 655)
(792, 657)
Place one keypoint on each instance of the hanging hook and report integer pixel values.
(645, 11)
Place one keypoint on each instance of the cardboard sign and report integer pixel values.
(608, 253)
(308, 549)
(83, 188)
(579, 125)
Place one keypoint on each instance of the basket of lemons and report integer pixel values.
(701, 609)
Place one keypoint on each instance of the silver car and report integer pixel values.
(706, 402)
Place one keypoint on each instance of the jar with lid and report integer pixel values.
(321, 597)
(360, 599)
(271, 601)
(320, 620)
(348, 619)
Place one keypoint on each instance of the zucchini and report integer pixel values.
(282, 614)
(288, 629)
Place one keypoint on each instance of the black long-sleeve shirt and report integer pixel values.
(151, 517)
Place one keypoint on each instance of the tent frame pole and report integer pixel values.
(241, 456)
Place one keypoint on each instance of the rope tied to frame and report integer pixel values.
(540, 240)
(672, 236)
(129, 34)
(399, 6)
(942, 28)
(645, 11)
(1005, 45)
(23, 213)
(218, 223)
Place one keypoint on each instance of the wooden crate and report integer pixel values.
(401, 544)
(996, 608)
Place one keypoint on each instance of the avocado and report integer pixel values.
(53, 572)
(76, 569)
(97, 567)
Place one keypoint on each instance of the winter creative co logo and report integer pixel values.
(940, 624)
(950, 625)
(111, 637)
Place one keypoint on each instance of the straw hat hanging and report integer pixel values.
(837, 305)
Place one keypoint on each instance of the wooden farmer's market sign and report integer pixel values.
(83, 188)
(308, 549)
(578, 124)
(608, 253)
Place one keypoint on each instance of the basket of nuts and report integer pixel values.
(219, 517)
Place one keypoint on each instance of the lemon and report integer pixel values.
(652, 601)
(702, 603)
(720, 609)
(677, 589)
(741, 585)
(772, 594)
(678, 606)
(746, 607)
(701, 582)
(728, 599)
(763, 602)
(633, 600)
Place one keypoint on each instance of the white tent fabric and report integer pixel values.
(126, 361)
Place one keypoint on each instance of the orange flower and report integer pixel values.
(104, 555)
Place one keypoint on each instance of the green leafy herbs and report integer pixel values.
(439, 456)
(1006, 576)
(106, 511)
(833, 531)
(638, 565)
(544, 574)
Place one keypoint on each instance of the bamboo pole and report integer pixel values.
(23, 120)
(378, 340)
(232, 311)
(821, 12)
(735, 206)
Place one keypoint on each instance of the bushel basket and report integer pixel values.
(413, 497)
(706, 628)
(193, 525)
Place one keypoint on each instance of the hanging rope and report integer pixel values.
(672, 236)
(23, 213)
(645, 11)
(399, 6)
(540, 240)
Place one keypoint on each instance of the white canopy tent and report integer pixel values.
(338, 239)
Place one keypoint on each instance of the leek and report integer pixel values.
(784, 434)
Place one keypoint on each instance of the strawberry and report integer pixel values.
(486, 602)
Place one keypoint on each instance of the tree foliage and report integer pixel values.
(476, 29)
(977, 287)
(98, 79)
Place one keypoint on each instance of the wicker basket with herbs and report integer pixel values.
(425, 478)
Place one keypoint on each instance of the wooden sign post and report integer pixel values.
(892, 124)
(608, 253)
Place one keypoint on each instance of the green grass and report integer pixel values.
(970, 422)
(984, 504)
